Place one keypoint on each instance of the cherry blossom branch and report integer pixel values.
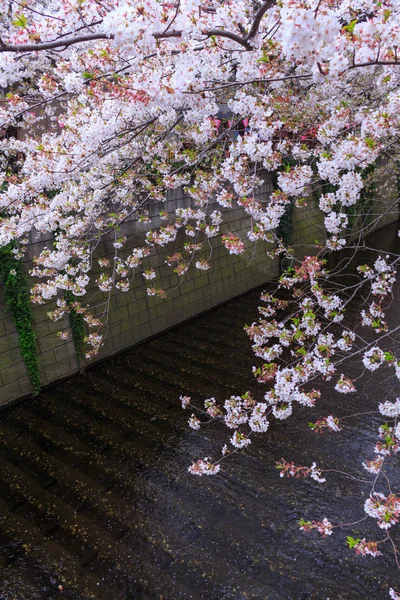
(59, 43)
(90, 37)
(265, 6)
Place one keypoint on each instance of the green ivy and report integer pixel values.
(285, 227)
(327, 188)
(18, 302)
(77, 325)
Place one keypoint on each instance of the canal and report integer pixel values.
(96, 501)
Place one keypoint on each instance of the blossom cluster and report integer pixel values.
(291, 470)
(324, 527)
(386, 509)
(141, 99)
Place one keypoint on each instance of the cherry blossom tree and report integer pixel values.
(108, 105)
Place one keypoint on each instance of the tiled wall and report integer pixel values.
(134, 316)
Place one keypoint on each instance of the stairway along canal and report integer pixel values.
(96, 501)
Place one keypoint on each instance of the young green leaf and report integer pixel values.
(20, 21)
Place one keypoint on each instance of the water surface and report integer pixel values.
(95, 495)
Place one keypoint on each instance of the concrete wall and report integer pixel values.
(134, 316)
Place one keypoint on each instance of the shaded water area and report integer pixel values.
(95, 495)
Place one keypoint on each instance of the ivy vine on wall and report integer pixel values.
(285, 227)
(77, 324)
(18, 302)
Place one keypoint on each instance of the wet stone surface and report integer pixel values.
(95, 496)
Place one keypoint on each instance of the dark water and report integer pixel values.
(95, 494)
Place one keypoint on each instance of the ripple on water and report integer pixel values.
(96, 496)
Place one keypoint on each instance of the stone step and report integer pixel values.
(215, 359)
(152, 403)
(28, 539)
(122, 421)
(96, 434)
(117, 413)
(77, 532)
(196, 366)
(113, 475)
(67, 482)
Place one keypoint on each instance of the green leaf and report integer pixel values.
(350, 26)
(20, 21)
(87, 75)
(370, 142)
(352, 542)
(386, 14)
(264, 58)
(17, 301)
(302, 522)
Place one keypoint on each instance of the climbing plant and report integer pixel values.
(18, 302)
(77, 325)
(285, 228)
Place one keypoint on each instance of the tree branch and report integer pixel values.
(257, 18)
(90, 37)
(373, 64)
(54, 44)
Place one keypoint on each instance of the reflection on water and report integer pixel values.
(95, 496)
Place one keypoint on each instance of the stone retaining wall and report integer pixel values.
(134, 316)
